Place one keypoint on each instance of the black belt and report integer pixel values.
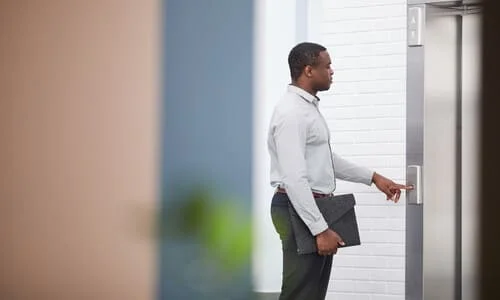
(315, 195)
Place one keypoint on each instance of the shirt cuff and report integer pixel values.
(318, 227)
(368, 177)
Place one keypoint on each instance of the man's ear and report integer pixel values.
(308, 71)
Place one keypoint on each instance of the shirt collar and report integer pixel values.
(302, 93)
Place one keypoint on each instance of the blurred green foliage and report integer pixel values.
(221, 225)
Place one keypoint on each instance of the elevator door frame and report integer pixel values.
(434, 240)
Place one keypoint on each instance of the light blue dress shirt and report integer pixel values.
(302, 161)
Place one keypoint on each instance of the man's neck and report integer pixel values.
(305, 88)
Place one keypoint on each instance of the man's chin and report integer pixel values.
(326, 88)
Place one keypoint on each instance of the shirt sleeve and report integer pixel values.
(290, 139)
(348, 171)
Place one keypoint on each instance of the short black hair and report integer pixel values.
(302, 55)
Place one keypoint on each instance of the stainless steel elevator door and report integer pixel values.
(442, 137)
(441, 107)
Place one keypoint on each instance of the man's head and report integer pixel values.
(310, 65)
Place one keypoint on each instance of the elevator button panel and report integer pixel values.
(415, 23)
(414, 178)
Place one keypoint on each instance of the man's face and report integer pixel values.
(322, 72)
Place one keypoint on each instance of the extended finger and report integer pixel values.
(402, 187)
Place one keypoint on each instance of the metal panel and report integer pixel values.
(442, 115)
(441, 104)
(414, 156)
(412, 2)
(415, 26)
(444, 2)
(414, 178)
(433, 117)
(471, 78)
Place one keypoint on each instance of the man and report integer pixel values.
(303, 167)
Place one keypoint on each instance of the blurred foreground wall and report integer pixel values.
(79, 115)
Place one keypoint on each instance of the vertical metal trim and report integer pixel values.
(414, 156)
(471, 78)
(458, 174)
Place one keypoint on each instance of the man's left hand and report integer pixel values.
(391, 189)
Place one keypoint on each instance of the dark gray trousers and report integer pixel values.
(305, 277)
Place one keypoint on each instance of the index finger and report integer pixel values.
(403, 187)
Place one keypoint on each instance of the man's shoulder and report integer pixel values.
(290, 103)
(291, 109)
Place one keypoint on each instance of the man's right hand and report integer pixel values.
(328, 241)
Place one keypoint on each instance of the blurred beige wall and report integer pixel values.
(79, 118)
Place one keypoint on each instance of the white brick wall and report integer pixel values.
(365, 110)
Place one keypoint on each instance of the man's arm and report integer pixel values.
(349, 171)
(346, 170)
